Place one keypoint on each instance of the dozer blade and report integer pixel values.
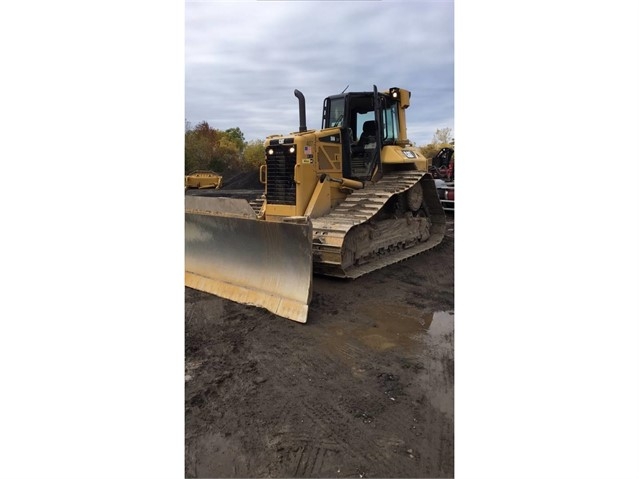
(230, 253)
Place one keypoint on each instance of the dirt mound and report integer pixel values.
(249, 180)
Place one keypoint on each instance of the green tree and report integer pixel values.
(254, 154)
(228, 154)
(236, 136)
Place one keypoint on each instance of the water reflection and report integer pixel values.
(403, 326)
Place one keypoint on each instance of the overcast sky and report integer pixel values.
(244, 59)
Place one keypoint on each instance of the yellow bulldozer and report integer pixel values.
(202, 179)
(345, 200)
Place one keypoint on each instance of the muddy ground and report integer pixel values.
(363, 389)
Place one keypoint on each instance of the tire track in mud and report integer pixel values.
(306, 449)
(307, 437)
(368, 414)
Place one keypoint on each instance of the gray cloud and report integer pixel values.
(244, 59)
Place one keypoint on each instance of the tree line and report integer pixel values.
(207, 148)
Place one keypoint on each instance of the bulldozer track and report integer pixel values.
(330, 231)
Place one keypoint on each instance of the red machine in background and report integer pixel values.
(443, 171)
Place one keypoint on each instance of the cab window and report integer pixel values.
(336, 113)
(390, 130)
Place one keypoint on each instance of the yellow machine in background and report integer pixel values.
(202, 179)
(342, 201)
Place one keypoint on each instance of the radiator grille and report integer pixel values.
(280, 167)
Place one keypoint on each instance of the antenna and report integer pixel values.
(344, 89)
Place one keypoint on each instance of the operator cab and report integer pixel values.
(364, 130)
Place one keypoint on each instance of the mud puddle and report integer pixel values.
(392, 326)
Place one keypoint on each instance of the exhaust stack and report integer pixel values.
(302, 102)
